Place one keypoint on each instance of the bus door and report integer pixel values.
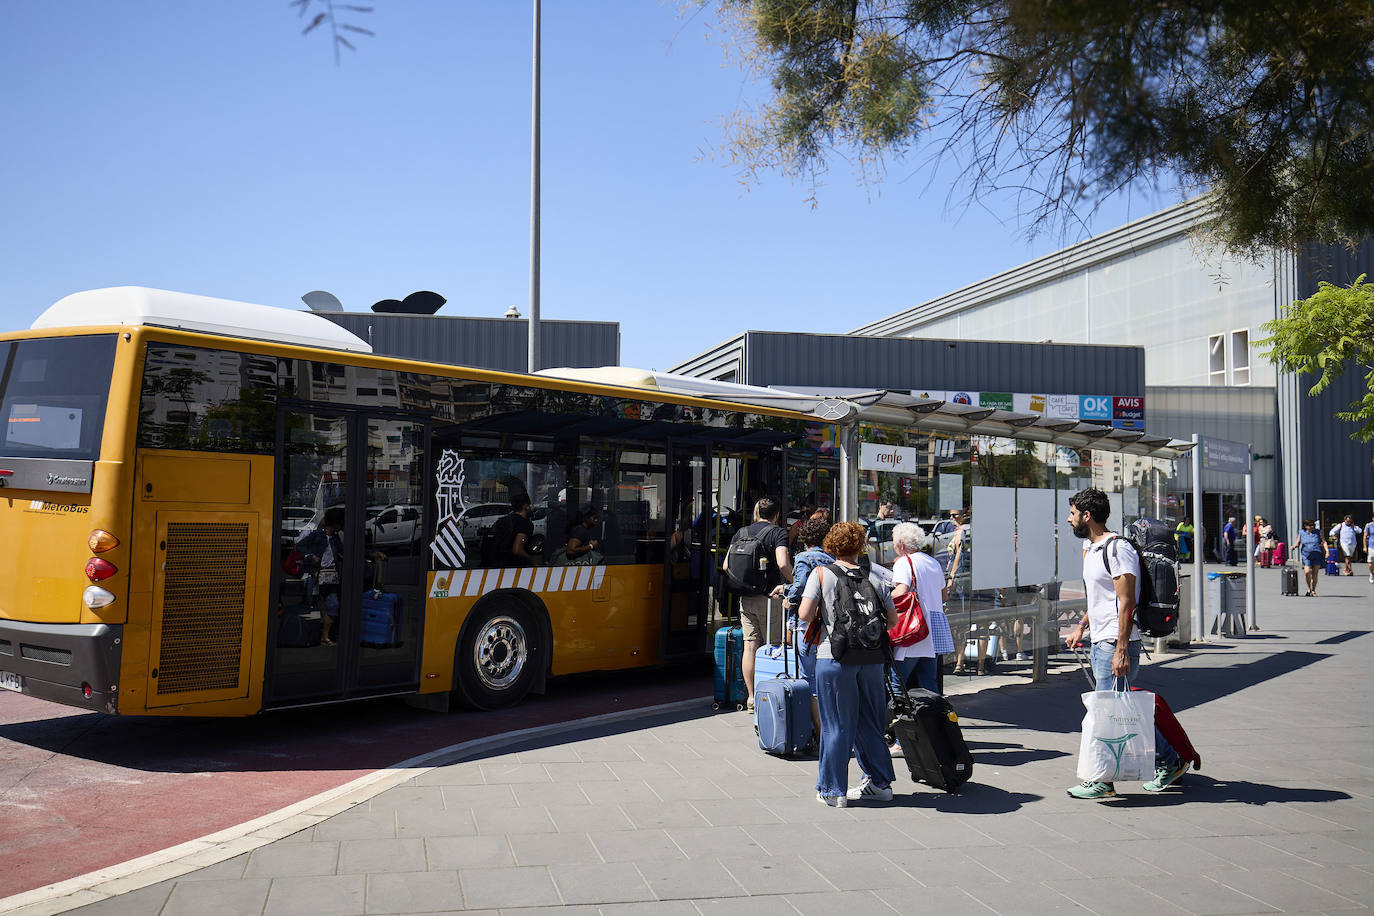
(691, 556)
(349, 600)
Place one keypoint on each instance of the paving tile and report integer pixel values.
(357, 824)
(227, 897)
(1024, 864)
(656, 908)
(1352, 883)
(332, 895)
(618, 882)
(455, 774)
(508, 887)
(635, 845)
(408, 893)
(553, 849)
(856, 871)
(435, 822)
(408, 796)
(496, 821)
(229, 868)
(1165, 857)
(280, 860)
(698, 878)
(571, 773)
(942, 867)
(927, 900)
(1201, 895)
(773, 905)
(646, 815)
(724, 812)
(945, 833)
(715, 842)
(544, 794)
(688, 789)
(450, 852)
(781, 839)
(619, 792)
(762, 874)
(482, 796)
(1117, 896)
(505, 772)
(587, 818)
(145, 900)
(860, 836)
(1245, 852)
(357, 857)
(1284, 892)
(1024, 899)
(850, 903)
(1320, 849)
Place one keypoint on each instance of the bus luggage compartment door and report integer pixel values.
(202, 624)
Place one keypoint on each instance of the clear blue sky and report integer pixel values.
(207, 147)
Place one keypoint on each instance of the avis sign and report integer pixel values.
(895, 459)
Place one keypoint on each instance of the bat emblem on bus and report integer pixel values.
(448, 545)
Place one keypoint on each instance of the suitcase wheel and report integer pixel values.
(715, 704)
(739, 707)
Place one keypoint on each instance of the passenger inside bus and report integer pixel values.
(321, 550)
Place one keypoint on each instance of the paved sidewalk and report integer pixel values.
(682, 814)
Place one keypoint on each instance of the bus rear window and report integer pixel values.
(53, 394)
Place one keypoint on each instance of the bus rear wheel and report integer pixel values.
(498, 656)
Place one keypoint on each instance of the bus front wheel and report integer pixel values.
(498, 656)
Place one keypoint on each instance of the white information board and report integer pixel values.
(1035, 551)
(1070, 550)
(1116, 523)
(951, 492)
(994, 537)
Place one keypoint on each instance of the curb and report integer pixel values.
(217, 847)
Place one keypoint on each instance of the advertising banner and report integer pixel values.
(935, 394)
(1096, 408)
(1128, 412)
(1028, 403)
(1001, 400)
(1062, 405)
(965, 398)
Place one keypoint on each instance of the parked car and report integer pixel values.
(396, 525)
(294, 520)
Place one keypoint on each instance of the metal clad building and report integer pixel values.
(838, 361)
(483, 343)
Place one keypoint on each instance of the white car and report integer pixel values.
(294, 520)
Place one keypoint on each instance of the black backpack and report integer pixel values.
(747, 560)
(1156, 613)
(860, 615)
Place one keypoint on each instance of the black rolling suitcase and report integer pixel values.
(1289, 575)
(932, 742)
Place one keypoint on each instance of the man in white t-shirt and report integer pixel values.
(1347, 538)
(1111, 576)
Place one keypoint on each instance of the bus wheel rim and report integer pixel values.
(500, 652)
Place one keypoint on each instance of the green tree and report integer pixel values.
(1062, 102)
(1328, 333)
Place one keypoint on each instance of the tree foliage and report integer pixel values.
(1326, 334)
(324, 13)
(1269, 105)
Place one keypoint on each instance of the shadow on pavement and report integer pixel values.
(1199, 788)
(362, 735)
(995, 754)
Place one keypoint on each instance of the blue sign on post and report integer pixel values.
(1225, 455)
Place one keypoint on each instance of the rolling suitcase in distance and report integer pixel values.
(932, 742)
(730, 689)
(382, 614)
(1289, 575)
(782, 711)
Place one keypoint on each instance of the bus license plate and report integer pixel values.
(10, 681)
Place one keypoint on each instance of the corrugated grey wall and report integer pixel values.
(1334, 465)
(484, 343)
(852, 361)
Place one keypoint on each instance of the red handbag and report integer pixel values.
(912, 626)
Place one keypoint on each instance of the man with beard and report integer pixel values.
(1111, 575)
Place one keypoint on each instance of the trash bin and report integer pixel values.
(1183, 634)
(1226, 600)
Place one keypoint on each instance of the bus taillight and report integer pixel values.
(98, 569)
(101, 541)
(96, 597)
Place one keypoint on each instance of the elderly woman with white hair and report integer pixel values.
(914, 569)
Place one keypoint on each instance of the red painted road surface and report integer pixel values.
(81, 791)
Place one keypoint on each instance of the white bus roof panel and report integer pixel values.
(139, 305)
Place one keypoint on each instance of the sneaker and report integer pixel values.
(749, 704)
(834, 801)
(867, 790)
(1091, 789)
(1165, 776)
(895, 749)
(1371, 577)
(1020, 656)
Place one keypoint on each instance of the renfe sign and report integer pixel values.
(895, 459)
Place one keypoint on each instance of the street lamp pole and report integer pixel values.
(534, 356)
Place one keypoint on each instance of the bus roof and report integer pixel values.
(140, 305)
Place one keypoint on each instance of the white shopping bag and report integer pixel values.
(1118, 736)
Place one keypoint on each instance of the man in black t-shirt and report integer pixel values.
(510, 537)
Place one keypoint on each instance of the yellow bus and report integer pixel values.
(214, 508)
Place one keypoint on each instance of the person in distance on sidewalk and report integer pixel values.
(1310, 550)
(1111, 575)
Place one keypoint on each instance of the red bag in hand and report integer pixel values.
(912, 626)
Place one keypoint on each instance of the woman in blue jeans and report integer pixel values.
(853, 700)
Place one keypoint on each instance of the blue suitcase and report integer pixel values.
(782, 706)
(730, 689)
(381, 619)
